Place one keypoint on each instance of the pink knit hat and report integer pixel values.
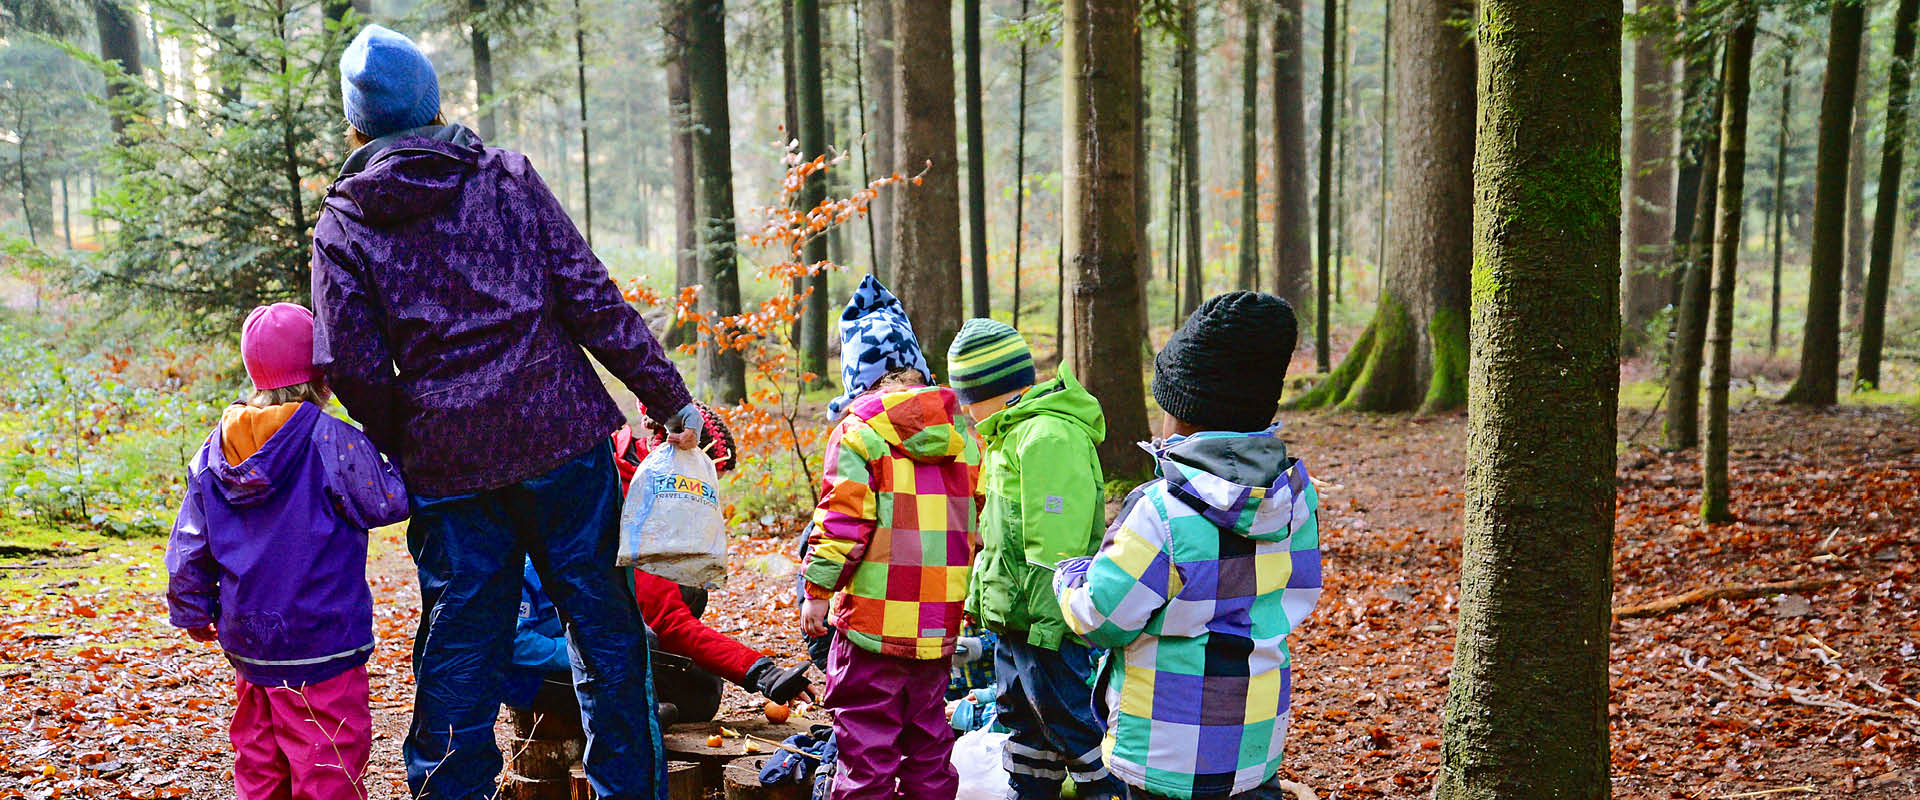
(276, 343)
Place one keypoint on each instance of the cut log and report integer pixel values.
(545, 747)
(683, 782)
(743, 782)
(1668, 605)
(688, 742)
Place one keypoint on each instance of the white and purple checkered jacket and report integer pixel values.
(1193, 592)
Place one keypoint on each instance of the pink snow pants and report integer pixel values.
(310, 743)
(890, 725)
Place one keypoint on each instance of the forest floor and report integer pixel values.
(1813, 690)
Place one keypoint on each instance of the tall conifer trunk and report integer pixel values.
(1873, 316)
(1650, 174)
(1292, 222)
(1249, 145)
(1714, 492)
(926, 220)
(1819, 381)
(722, 369)
(1526, 714)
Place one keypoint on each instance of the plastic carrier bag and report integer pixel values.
(976, 756)
(671, 524)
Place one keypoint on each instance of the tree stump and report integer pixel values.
(683, 782)
(545, 747)
(743, 782)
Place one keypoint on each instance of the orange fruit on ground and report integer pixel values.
(777, 713)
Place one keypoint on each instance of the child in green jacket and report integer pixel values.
(1043, 503)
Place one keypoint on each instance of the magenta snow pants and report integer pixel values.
(890, 725)
(309, 743)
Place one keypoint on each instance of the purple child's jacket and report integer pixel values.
(452, 297)
(275, 550)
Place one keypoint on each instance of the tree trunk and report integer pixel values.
(1020, 171)
(1413, 354)
(813, 144)
(1682, 425)
(1819, 380)
(482, 70)
(723, 373)
(1699, 124)
(1780, 196)
(1190, 281)
(1249, 146)
(336, 15)
(1386, 142)
(119, 43)
(686, 234)
(1292, 234)
(1323, 240)
(66, 212)
(926, 221)
(1714, 500)
(1176, 166)
(586, 147)
(1873, 317)
(1857, 187)
(876, 19)
(1650, 173)
(1341, 95)
(1097, 160)
(976, 161)
(1526, 712)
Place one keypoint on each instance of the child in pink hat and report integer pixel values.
(269, 557)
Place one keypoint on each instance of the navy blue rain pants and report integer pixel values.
(1047, 704)
(470, 549)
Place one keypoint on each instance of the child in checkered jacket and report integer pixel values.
(891, 550)
(1207, 569)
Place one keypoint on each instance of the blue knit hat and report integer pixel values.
(388, 85)
(875, 338)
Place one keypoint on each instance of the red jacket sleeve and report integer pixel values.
(682, 634)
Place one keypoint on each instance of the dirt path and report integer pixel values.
(1724, 697)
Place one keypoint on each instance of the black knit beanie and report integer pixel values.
(1224, 369)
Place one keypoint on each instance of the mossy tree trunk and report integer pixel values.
(1526, 712)
(487, 124)
(1819, 381)
(1780, 195)
(926, 222)
(1413, 354)
(1102, 279)
(1857, 186)
(1249, 145)
(1646, 285)
(1292, 232)
(1681, 427)
(1715, 503)
(723, 370)
(811, 94)
(1873, 315)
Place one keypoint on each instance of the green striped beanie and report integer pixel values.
(988, 358)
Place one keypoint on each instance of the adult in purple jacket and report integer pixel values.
(454, 298)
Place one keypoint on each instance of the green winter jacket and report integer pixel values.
(1043, 503)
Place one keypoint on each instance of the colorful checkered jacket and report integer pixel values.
(1194, 591)
(895, 531)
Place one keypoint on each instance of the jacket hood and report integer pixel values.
(404, 175)
(278, 451)
(922, 421)
(1063, 398)
(1243, 482)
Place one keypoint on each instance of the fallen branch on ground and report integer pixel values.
(1668, 605)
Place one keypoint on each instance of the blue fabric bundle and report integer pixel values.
(788, 767)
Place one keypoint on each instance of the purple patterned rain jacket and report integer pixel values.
(452, 297)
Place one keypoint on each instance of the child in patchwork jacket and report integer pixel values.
(269, 556)
(1044, 503)
(1207, 569)
(892, 543)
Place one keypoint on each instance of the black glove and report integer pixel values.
(777, 684)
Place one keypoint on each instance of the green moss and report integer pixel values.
(1386, 382)
(1641, 394)
(1485, 281)
(1447, 390)
(1573, 190)
(1330, 391)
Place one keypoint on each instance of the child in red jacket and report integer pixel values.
(672, 613)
